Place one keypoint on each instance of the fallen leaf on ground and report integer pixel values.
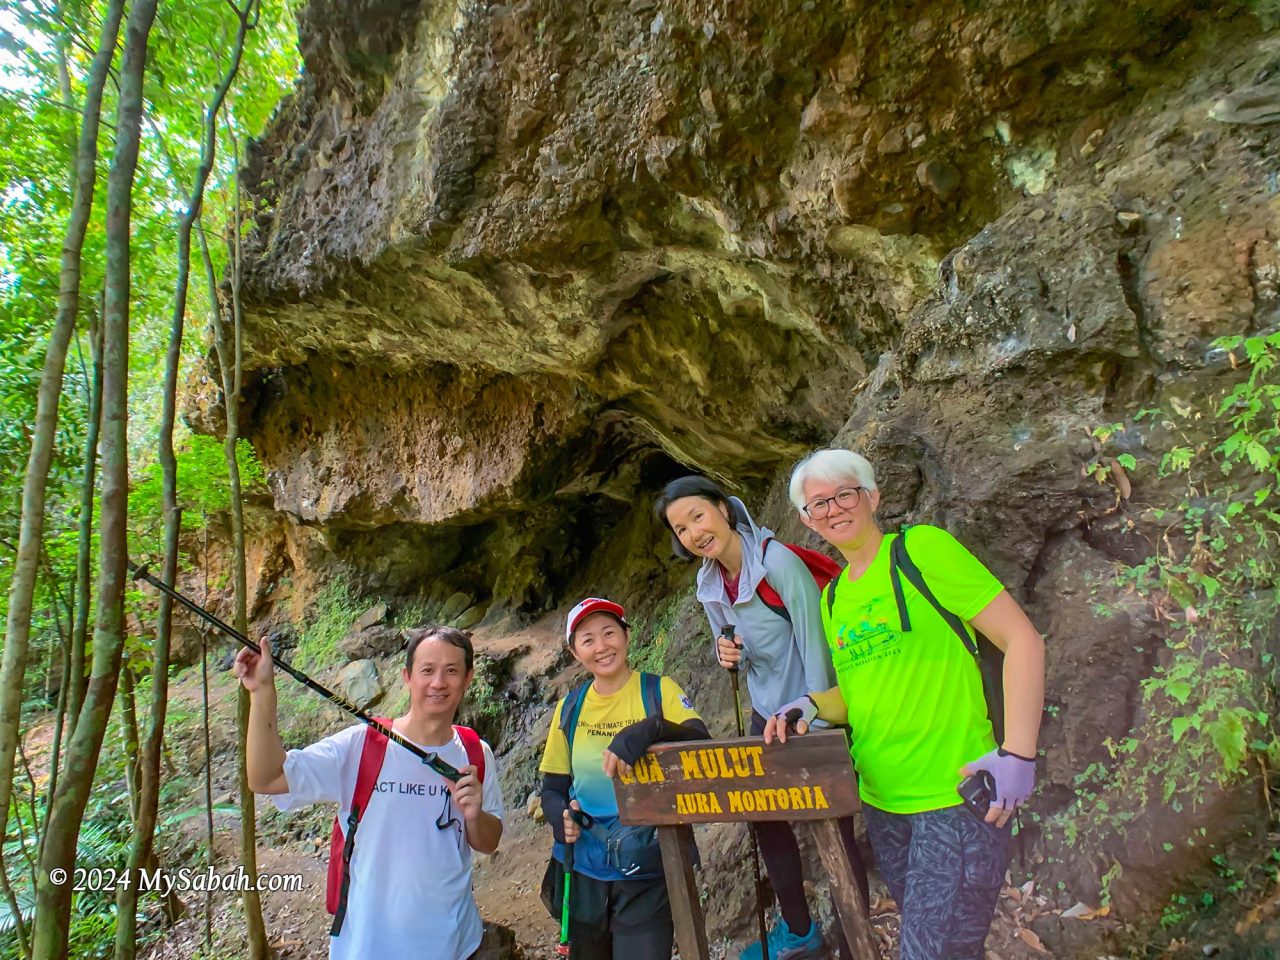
(1030, 939)
(1082, 911)
(1121, 479)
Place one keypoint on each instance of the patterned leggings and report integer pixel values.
(945, 868)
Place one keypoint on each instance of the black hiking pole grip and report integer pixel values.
(728, 631)
(441, 767)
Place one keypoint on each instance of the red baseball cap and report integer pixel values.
(586, 608)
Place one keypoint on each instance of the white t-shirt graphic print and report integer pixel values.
(410, 895)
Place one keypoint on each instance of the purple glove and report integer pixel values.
(1015, 776)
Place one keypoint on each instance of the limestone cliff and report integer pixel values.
(517, 264)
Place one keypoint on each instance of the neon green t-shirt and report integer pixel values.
(915, 700)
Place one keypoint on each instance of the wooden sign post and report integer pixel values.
(717, 781)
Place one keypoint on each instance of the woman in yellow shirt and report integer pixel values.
(618, 903)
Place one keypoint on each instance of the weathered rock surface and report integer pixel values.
(358, 682)
(516, 265)
(375, 615)
(373, 642)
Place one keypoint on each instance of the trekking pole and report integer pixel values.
(584, 822)
(728, 631)
(441, 767)
(562, 948)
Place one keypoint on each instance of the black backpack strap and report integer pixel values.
(900, 560)
(831, 594)
(344, 892)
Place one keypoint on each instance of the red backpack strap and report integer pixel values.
(772, 599)
(475, 749)
(821, 567)
(342, 846)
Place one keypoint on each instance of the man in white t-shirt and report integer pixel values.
(409, 892)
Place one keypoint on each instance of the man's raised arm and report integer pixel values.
(264, 752)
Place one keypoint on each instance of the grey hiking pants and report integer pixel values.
(945, 869)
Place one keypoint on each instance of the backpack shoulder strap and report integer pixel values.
(373, 750)
(651, 694)
(830, 594)
(475, 750)
(764, 589)
(372, 753)
(900, 561)
(570, 710)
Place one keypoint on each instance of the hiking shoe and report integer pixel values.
(785, 945)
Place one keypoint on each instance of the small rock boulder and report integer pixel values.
(533, 807)
(939, 177)
(456, 603)
(370, 618)
(373, 642)
(186, 643)
(470, 617)
(359, 682)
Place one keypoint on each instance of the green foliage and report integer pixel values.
(187, 57)
(482, 699)
(103, 843)
(412, 613)
(1210, 703)
(649, 647)
(202, 488)
(188, 54)
(328, 621)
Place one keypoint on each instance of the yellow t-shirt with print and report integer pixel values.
(598, 723)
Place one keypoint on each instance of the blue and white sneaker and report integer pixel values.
(785, 945)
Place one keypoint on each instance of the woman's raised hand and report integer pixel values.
(729, 651)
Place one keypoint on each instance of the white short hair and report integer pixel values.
(831, 466)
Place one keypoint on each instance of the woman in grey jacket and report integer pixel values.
(784, 653)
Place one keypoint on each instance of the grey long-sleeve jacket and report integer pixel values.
(783, 661)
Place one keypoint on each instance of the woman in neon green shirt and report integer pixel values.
(912, 696)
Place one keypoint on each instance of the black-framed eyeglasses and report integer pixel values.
(821, 506)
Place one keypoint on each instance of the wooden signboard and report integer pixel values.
(717, 781)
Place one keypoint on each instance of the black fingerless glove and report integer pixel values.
(555, 800)
(631, 742)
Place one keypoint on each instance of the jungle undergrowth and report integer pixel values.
(1208, 710)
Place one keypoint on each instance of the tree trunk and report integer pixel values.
(53, 901)
(84, 545)
(141, 850)
(129, 738)
(59, 716)
(44, 435)
(231, 381)
(208, 745)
